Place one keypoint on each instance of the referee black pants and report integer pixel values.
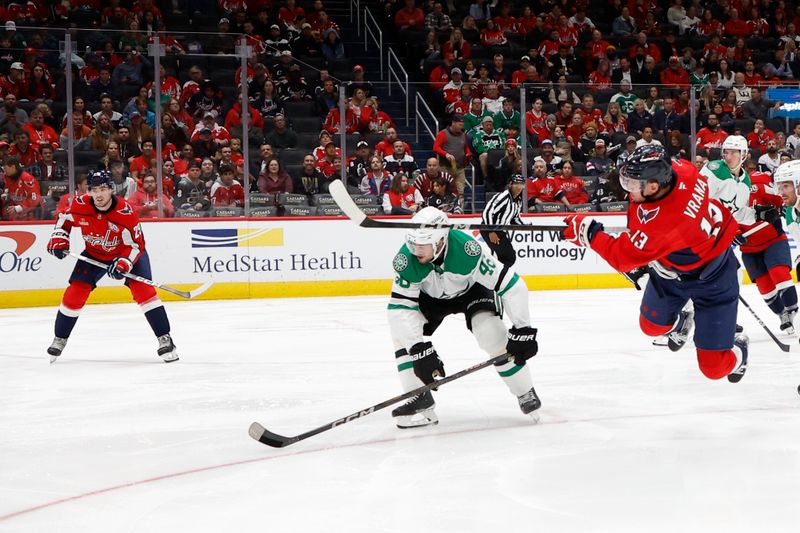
(504, 250)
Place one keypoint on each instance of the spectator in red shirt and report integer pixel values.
(142, 163)
(574, 187)
(598, 47)
(228, 192)
(66, 200)
(27, 154)
(650, 49)
(712, 135)
(674, 77)
(440, 74)
(457, 45)
(760, 136)
(410, 17)
(39, 132)
(145, 200)
(543, 188)
(14, 81)
(735, 27)
(385, 147)
(289, 14)
(491, 35)
(751, 76)
(21, 198)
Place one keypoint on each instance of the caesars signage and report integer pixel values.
(291, 255)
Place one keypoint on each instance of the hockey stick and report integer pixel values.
(265, 436)
(183, 294)
(338, 191)
(782, 345)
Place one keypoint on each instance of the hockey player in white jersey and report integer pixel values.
(729, 182)
(787, 181)
(439, 272)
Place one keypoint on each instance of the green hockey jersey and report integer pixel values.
(733, 192)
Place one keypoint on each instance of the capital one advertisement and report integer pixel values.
(272, 251)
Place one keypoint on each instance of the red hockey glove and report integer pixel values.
(580, 229)
(58, 245)
(119, 267)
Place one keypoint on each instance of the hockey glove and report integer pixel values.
(522, 344)
(635, 276)
(427, 365)
(767, 213)
(119, 267)
(740, 239)
(58, 245)
(580, 229)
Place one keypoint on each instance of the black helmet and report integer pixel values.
(647, 163)
(99, 178)
(517, 178)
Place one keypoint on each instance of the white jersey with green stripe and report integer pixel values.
(466, 262)
(732, 191)
(791, 216)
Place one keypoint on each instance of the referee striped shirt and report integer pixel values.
(503, 209)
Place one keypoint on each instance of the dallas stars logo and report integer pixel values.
(400, 262)
(472, 248)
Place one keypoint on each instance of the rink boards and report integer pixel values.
(281, 257)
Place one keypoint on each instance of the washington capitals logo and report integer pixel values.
(646, 215)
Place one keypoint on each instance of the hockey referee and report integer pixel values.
(504, 208)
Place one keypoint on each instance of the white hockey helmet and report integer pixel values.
(432, 233)
(735, 142)
(788, 171)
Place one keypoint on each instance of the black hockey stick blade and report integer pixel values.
(265, 436)
(782, 345)
(338, 191)
(183, 294)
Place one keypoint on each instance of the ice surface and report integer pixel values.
(632, 437)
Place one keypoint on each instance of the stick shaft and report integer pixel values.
(263, 435)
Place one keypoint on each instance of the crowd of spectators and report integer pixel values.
(600, 78)
(595, 87)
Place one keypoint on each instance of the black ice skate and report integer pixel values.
(417, 412)
(741, 341)
(56, 348)
(787, 321)
(529, 402)
(166, 349)
(678, 337)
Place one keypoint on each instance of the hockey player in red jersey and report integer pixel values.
(113, 235)
(684, 238)
(765, 248)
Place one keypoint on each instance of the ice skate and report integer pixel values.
(787, 321)
(677, 338)
(529, 403)
(741, 341)
(56, 348)
(166, 349)
(417, 412)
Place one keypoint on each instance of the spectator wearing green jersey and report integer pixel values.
(487, 138)
(507, 117)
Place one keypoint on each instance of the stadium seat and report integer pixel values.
(581, 208)
(614, 207)
(287, 199)
(227, 212)
(550, 207)
(300, 211)
(190, 213)
(269, 211)
(329, 211)
(322, 199)
(260, 199)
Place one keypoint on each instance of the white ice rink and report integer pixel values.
(631, 438)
